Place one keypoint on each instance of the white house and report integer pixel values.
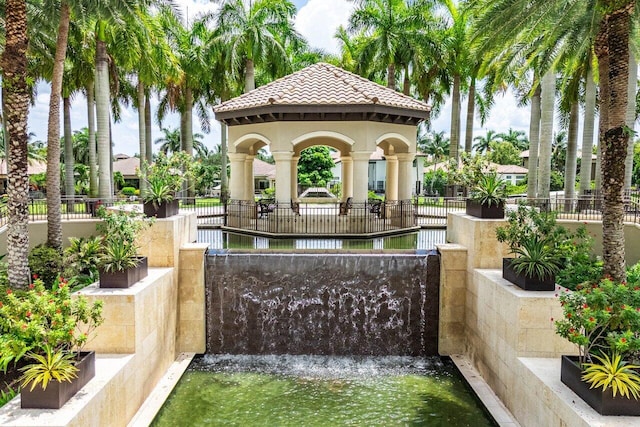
(510, 173)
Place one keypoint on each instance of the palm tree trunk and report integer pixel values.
(54, 220)
(455, 119)
(188, 135)
(572, 148)
(391, 76)
(631, 116)
(142, 141)
(147, 123)
(93, 158)
(471, 107)
(406, 85)
(69, 161)
(601, 49)
(616, 140)
(534, 144)
(546, 133)
(15, 105)
(249, 77)
(103, 121)
(587, 133)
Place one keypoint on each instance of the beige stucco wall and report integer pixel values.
(38, 232)
(631, 236)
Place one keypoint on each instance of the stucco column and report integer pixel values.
(249, 184)
(347, 177)
(405, 175)
(294, 177)
(360, 175)
(236, 181)
(391, 186)
(283, 175)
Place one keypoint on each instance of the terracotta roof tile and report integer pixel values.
(322, 84)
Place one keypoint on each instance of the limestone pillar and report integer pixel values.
(283, 175)
(405, 175)
(347, 177)
(294, 177)
(249, 183)
(391, 186)
(360, 175)
(236, 181)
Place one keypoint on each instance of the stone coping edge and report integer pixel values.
(494, 405)
(151, 406)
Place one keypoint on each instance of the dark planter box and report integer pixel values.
(527, 283)
(92, 206)
(602, 401)
(58, 393)
(124, 279)
(162, 210)
(484, 211)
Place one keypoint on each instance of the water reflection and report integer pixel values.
(421, 240)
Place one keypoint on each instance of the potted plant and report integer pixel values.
(46, 329)
(535, 240)
(119, 264)
(164, 179)
(487, 197)
(603, 320)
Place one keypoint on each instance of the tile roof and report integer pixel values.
(127, 166)
(263, 169)
(322, 84)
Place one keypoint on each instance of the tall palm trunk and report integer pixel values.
(406, 85)
(54, 221)
(546, 133)
(250, 76)
(15, 105)
(147, 124)
(103, 121)
(455, 119)
(601, 49)
(141, 132)
(391, 76)
(93, 157)
(587, 133)
(630, 117)
(534, 144)
(572, 151)
(69, 182)
(187, 142)
(616, 139)
(471, 107)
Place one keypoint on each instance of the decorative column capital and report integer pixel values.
(360, 155)
(405, 157)
(237, 157)
(282, 156)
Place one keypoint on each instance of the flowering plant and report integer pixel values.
(602, 318)
(39, 321)
(164, 177)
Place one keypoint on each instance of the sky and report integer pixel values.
(317, 21)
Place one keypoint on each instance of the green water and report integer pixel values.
(316, 391)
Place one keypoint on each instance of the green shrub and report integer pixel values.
(373, 196)
(45, 262)
(128, 191)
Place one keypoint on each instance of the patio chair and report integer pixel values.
(346, 206)
(375, 207)
(265, 207)
(295, 207)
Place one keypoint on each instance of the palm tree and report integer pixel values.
(517, 138)
(435, 144)
(256, 35)
(484, 142)
(171, 142)
(15, 105)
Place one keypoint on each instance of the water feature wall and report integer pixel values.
(333, 304)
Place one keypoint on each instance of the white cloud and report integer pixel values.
(318, 20)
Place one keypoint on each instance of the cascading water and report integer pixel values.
(331, 304)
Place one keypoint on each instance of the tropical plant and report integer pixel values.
(45, 263)
(601, 318)
(41, 322)
(52, 365)
(489, 190)
(536, 257)
(119, 231)
(165, 177)
(81, 260)
(615, 373)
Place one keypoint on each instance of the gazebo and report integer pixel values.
(323, 105)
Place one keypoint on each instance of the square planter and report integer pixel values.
(602, 401)
(483, 211)
(524, 282)
(162, 210)
(58, 393)
(124, 279)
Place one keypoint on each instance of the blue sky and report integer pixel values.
(317, 20)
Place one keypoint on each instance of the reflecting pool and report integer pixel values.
(322, 391)
(424, 239)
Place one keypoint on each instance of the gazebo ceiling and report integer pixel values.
(322, 92)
